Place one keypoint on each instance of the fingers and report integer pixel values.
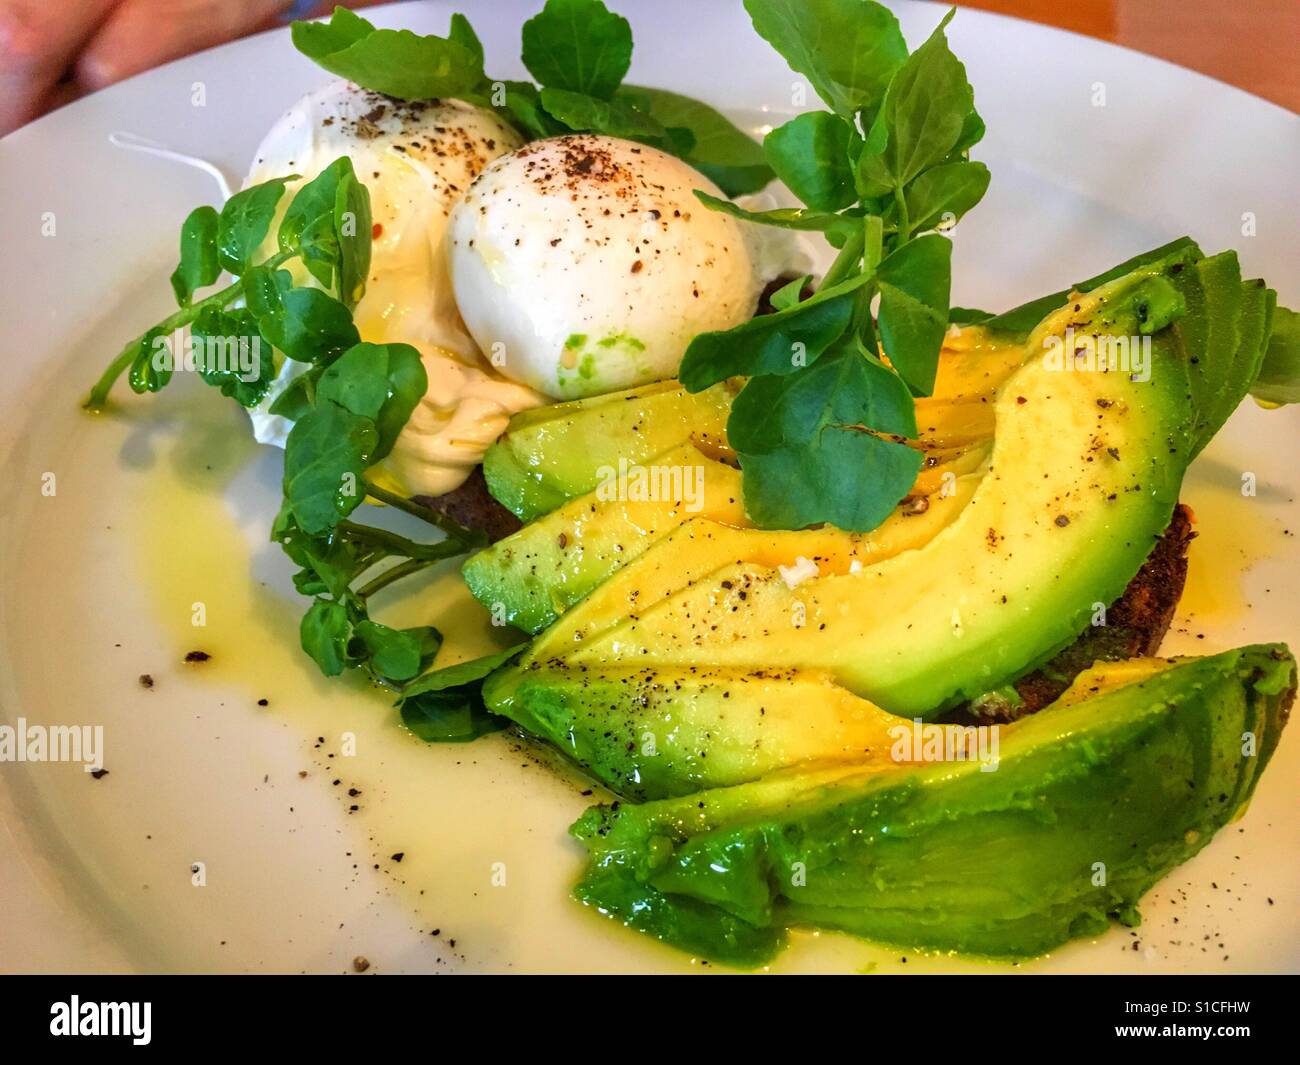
(140, 34)
(39, 40)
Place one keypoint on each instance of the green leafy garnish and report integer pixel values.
(233, 333)
(579, 52)
(945, 193)
(399, 63)
(347, 407)
(778, 344)
(819, 423)
(847, 49)
(728, 156)
(244, 222)
(804, 430)
(837, 227)
(200, 265)
(579, 46)
(325, 459)
(616, 118)
(326, 227)
(447, 704)
(811, 154)
(913, 316)
(919, 121)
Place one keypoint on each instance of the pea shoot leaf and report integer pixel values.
(579, 46)
(847, 49)
(312, 327)
(382, 382)
(199, 265)
(811, 154)
(245, 220)
(614, 118)
(779, 343)
(325, 458)
(921, 119)
(447, 704)
(324, 634)
(231, 354)
(720, 150)
(941, 195)
(914, 282)
(812, 448)
(397, 63)
(835, 226)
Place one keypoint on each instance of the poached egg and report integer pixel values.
(417, 160)
(585, 264)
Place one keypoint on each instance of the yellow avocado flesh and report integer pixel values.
(535, 576)
(700, 547)
(1083, 477)
(553, 454)
(686, 730)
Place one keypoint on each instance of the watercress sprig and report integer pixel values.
(579, 53)
(348, 405)
(326, 226)
(820, 423)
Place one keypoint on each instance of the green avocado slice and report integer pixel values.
(552, 454)
(1085, 471)
(1088, 804)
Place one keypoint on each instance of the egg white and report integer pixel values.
(416, 160)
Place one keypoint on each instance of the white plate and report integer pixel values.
(166, 504)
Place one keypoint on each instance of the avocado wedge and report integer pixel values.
(1091, 802)
(535, 575)
(1084, 475)
(552, 454)
(651, 734)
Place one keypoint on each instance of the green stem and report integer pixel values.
(221, 298)
(904, 222)
(455, 531)
(846, 262)
(396, 573)
(873, 236)
(394, 544)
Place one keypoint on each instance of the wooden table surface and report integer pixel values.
(1253, 44)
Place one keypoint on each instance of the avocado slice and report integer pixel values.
(1091, 802)
(1084, 475)
(535, 575)
(692, 729)
(552, 454)
(540, 571)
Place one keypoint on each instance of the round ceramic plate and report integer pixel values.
(300, 833)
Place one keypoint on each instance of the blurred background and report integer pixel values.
(52, 51)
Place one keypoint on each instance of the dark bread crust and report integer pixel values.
(1136, 624)
(472, 505)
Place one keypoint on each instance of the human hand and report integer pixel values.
(52, 51)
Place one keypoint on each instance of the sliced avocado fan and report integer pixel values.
(1084, 473)
(1078, 812)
